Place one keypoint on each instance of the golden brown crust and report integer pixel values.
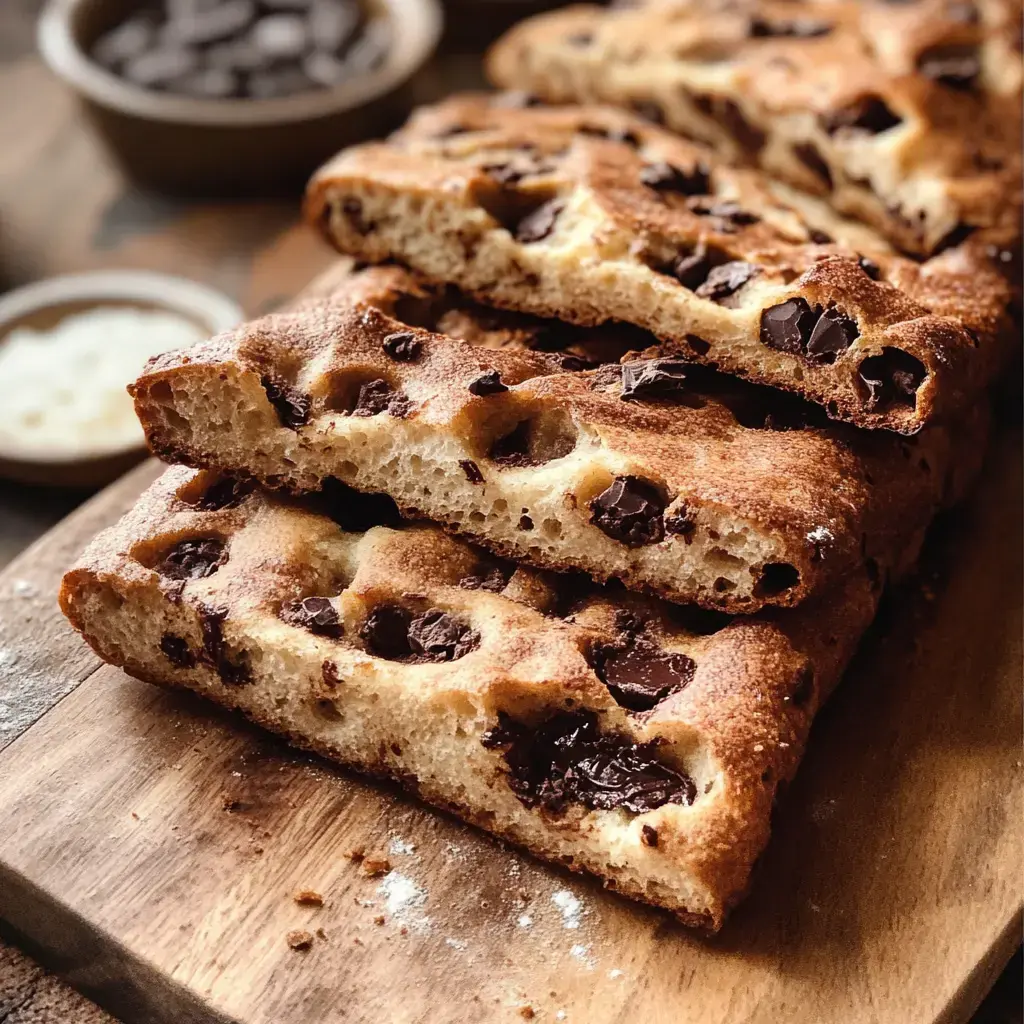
(939, 149)
(737, 728)
(753, 485)
(545, 210)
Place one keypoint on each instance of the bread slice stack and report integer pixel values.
(565, 499)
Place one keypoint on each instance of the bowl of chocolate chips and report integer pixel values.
(237, 97)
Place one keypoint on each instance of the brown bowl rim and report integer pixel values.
(417, 30)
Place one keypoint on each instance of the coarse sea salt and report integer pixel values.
(570, 906)
(62, 390)
(404, 901)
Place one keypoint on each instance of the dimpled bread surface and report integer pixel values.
(667, 477)
(407, 653)
(906, 115)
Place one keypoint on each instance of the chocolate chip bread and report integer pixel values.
(591, 215)
(667, 477)
(906, 115)
(603, 731)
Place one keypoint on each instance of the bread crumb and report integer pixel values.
(527, 1012)
(300, 941)
(379, 919)
(321, 934)
(308, 898)
(375, 865)
(230, 803)
(356, 854)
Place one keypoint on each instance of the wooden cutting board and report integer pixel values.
(151, 845)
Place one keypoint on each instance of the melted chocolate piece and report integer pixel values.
(787, 327)
(386, 632)
(833, 334)
(291, 405)
(227, 492)
(649, 835)
(868, 114)
(640, 674)
(630, 511)
(488, 383)
(666, 177)
(536, 226)
(403, 347)
(472, 471)
(691, 269)
(494, 581)
(726, 280)
(565, 760)
(438, 636)
(177, 651)
(653, 378)
(892, 378)
(193, 559)
(316, 614)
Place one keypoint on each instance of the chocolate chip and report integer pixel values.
(640, 674)
(494, 581)
(438, 636)
(653, 378)
(377, 396)
(691, 269)
(629, 622)
(867, 114)
(798, 28)
(666, 177)
(233, 669)
(566, 760)
(630, 510)
(227, 492)
(316, 614)
(472, 471)
(730, 215)
(537, 225)
(648, 835)
(833, 334)
(193, 559)
(954, 66)
(177, 651)
(870, 267)
(682, 522)
(892, 378)
(525, 523)
(291, 405)
(787, 326)
(726, 280)
(807, 153)
(488, 383)
(386, 632)
(403, 347)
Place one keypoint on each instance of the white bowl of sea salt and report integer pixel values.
(69, 346)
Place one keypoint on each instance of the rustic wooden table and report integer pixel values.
(64, 207)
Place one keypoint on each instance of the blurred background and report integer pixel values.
(174, 137)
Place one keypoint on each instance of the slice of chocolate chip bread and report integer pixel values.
(667, 477)
(591, 215)
(603, 731)
(906, 115)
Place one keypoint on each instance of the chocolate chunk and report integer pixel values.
(868, 114)
(630, 510)
(730, 215)
(833, 334)
(233, 669)
(403, 347)
(648, 835)
(536, 226)
(316, 614)
(193, 559)
(472, 471)
(682, 522)
(787, 326)
(227, 492)
(293, 407)
(377, 396)
(807, 153)
(177, 651)
(870, 267)
(666, 177)
(386, 632)
(798, 28)
(488, 383)
(494, 581)
(640, 674)
(892, 378)
(438, 636)
(653, 378)
(629, 622)
(354, 511)
(726, 280)
(566, 760)
(954, 66)
(691, 269)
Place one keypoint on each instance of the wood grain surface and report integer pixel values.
(153, 846)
